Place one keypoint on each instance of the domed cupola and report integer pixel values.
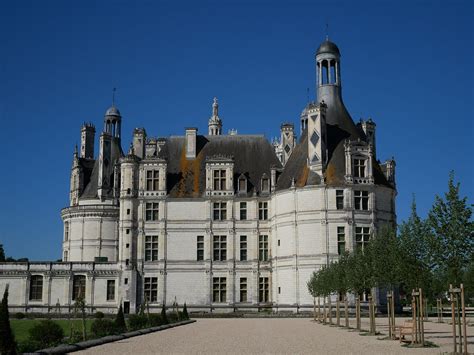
(328, 47)
(112, 121)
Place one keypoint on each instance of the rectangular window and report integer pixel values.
(263, 211)
(263, 247)
(359, 168)
(362, 235)
(200, 248)
(219, 180)
(151, 289)
(242, 185)
(263, 290)
(340, 199)
(341, 240)
(219, 289)
(78, 287)
(220, 248)
(152, 180)
(243, 211)
(361, 200)
(243, 248)
(151, 211)
(243, 289)
(265, 185)
(110, 290)
(220, 211)
(36, 288)
(66, 231)
(128, 211)
(151, 248)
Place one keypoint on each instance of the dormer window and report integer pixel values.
(242, 184)
(219, 179)
(265, 184)
(359, 168)
(152, 180)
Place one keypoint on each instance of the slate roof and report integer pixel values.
(253, 156)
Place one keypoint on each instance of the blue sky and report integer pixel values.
(408, 65)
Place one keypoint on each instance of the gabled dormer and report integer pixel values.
(358, 162)
(219, 175)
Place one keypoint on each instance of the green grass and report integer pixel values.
(21, 327)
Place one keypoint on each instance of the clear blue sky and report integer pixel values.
(408, 65)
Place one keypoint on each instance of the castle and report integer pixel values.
(221, 222)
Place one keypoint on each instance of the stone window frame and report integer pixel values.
(263, 251)
(341, 240)
(243, 251)
(152, 211)
(219, 211)
(263, 289)
(110, 291)
(78, 282)
(243, 294)
(359, 166)
(219, 289)
(36, 288)
(243, 210)
(219, 179)
(362, 237)
(242, 184)
(200, 248)
(150, 289)
(263, 210)
(265, 184)
(66, 231)
(219, 248)
(151, 248)
(361, 200)
(339, 199)
(152, 183)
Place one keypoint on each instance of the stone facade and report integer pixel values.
(221, 222)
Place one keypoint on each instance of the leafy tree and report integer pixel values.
(7, 340)
(452, 237)
(416, 261)
(386, 256)
(120, 321)
(2, 253)
(46, 333)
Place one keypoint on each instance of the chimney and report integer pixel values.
(191, 142)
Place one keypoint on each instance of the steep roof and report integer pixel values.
(252, 155)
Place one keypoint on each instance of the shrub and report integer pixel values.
(120, 321)
(19, 315)
(28, 346)
(7, 340)
(46, 333)
(99, 315)
(154, 320)
(164, 317)
(103, 327)
(137, 321)
(173, 317)
(185, 312)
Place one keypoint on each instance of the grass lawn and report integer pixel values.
(21, 327)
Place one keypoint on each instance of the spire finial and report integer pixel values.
(113, 96)
(327, 31)
(215, 108)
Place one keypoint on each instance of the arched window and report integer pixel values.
(65, 256)
(78, 287)
(36, 288)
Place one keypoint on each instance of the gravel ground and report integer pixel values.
(275, 336)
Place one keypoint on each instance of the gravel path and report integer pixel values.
(274, 336)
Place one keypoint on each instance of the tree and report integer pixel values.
(185, 312)
(452, 233)
(120, 321)
(7, 340)
(2, 253)
(416, 260)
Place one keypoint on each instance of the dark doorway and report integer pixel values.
(126, 307)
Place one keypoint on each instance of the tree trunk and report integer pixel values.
(338, 320)
(314, 308)
(358, 312)
(330, 310)
(346, 311)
